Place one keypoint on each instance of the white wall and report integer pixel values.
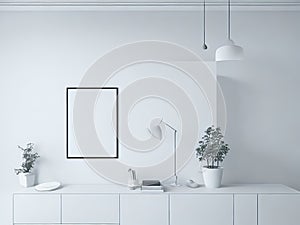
(262, 98)
(42, 52)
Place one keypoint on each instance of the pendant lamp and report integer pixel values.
(229, 51)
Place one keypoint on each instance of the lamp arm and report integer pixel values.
(168, 125)
(175, 148)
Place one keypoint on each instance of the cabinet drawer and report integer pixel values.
(279, 209)
(195, 209)
(144, 209)
(90, 208)
(37, 208)
(245, 209)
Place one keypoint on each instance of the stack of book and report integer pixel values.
(152, 186)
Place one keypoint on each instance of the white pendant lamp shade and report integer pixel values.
(229, 51)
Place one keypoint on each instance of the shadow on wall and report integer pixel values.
(255, 156)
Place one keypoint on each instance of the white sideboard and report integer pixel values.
(116, 205)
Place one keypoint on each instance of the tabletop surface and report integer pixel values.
(118, 189)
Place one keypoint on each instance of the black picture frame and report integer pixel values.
(67, 123)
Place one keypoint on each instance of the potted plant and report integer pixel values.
(212, 150)
(26, 177)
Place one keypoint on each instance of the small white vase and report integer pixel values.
(133, 184)
(212, 177)
(26, 179)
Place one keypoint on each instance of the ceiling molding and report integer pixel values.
(146, 3)
(143, 5)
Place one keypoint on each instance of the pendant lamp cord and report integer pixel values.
(229, 21)
(204, 22)
(204, 26)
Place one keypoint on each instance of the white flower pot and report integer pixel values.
(212, 177)
(26, 179)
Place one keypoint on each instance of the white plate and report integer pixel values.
(49, 186)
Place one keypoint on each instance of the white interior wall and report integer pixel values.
(42, 52)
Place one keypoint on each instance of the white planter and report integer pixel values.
(212, 177)
(26, 179)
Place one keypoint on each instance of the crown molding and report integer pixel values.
(142, 3)
(147, 5)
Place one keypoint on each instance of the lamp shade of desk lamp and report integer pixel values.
(156, 128)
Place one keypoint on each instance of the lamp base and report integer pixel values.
(175, 183)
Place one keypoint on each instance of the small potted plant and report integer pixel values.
(26, 177)
(212, 150)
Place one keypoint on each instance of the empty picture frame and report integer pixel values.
(101, 122)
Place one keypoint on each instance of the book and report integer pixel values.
(152, 185)
(153, 191)
(152, 188)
